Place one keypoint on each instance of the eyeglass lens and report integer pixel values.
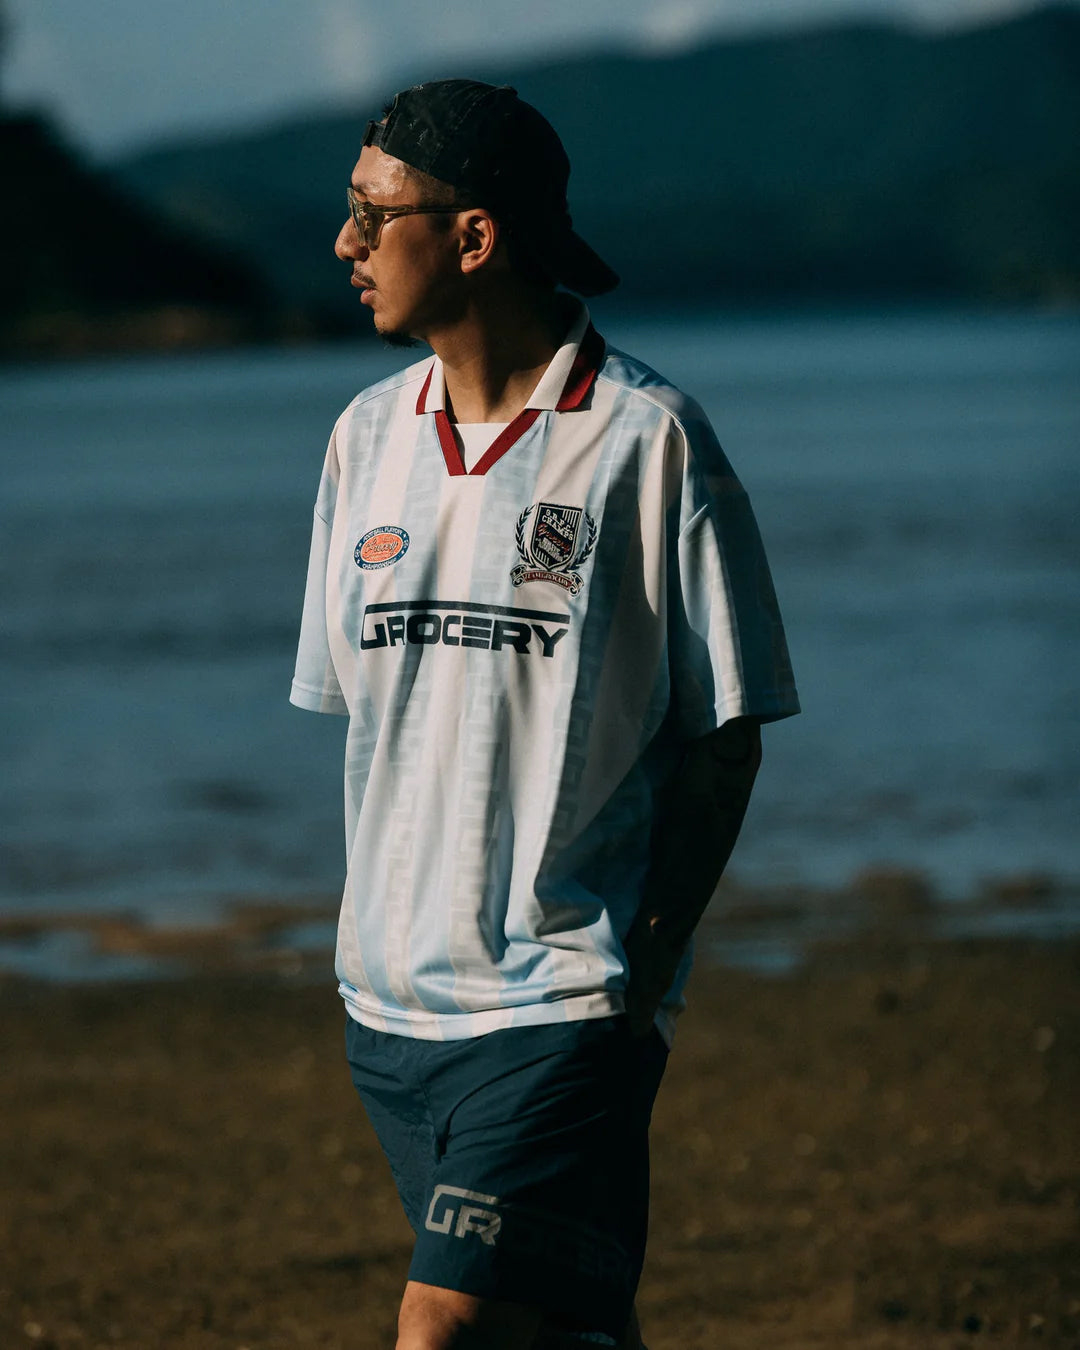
(367, 219)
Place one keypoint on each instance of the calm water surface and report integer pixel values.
(917, 481)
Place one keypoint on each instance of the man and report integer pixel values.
(538, 592)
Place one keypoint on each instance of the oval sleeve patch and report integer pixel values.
(380, 547)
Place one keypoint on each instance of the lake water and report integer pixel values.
(917, 482)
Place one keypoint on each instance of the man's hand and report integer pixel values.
(653, 962)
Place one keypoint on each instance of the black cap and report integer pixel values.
(485, 141)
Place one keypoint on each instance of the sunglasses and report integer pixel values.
(370, 218)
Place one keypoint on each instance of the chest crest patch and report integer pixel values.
(553, 541)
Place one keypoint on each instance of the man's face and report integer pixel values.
(411, 280)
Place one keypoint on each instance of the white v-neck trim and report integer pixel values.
(475, 438)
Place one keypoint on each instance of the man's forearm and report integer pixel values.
(700, 823)
(703, 813)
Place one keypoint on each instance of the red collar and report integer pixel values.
(582, 376)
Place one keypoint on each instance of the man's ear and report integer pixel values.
(479, 239)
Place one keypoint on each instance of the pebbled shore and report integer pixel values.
(878, 1150)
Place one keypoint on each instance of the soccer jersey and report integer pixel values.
(523, 651)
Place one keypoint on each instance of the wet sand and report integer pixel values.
(878, 1150)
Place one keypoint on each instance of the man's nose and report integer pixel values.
(348, 245)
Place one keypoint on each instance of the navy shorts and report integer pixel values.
(522, 1159)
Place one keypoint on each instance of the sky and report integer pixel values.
(121, 74)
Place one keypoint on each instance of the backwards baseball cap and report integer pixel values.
(485, 141)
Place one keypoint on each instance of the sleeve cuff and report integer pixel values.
(318, 700)
(765, 708)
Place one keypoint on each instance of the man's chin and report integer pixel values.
(393, 338)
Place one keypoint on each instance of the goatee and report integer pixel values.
(392, 338)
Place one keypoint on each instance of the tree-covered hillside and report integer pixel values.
(854, 163)
(87, 268)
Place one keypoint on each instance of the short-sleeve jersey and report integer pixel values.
(523, 652)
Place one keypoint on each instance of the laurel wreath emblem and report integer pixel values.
(581, 554)
(565, 575)
(590, 540)
(519, 535)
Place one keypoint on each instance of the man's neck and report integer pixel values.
(493, 359)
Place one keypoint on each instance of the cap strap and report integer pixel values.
(374, 134)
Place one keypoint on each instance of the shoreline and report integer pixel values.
(769, 930)
(877, 1150)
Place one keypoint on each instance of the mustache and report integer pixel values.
(364, 281)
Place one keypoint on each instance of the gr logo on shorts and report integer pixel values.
(471, 1218)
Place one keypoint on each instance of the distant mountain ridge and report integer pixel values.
(89, 270)
(858, 162)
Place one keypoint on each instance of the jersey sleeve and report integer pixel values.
(727, 651)
(315, 683)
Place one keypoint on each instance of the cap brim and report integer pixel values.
(578, 267)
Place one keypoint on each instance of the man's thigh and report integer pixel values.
(524, 1172)
(432, 1318)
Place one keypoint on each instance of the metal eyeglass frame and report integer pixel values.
(369, 217)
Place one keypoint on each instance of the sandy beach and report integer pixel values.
(877, 1150)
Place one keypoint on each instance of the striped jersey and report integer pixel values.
(523, 651)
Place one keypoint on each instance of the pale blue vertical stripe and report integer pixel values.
(613, 502)
(485, 729)
(369, 918)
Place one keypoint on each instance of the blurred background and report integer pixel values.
(848, 227)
